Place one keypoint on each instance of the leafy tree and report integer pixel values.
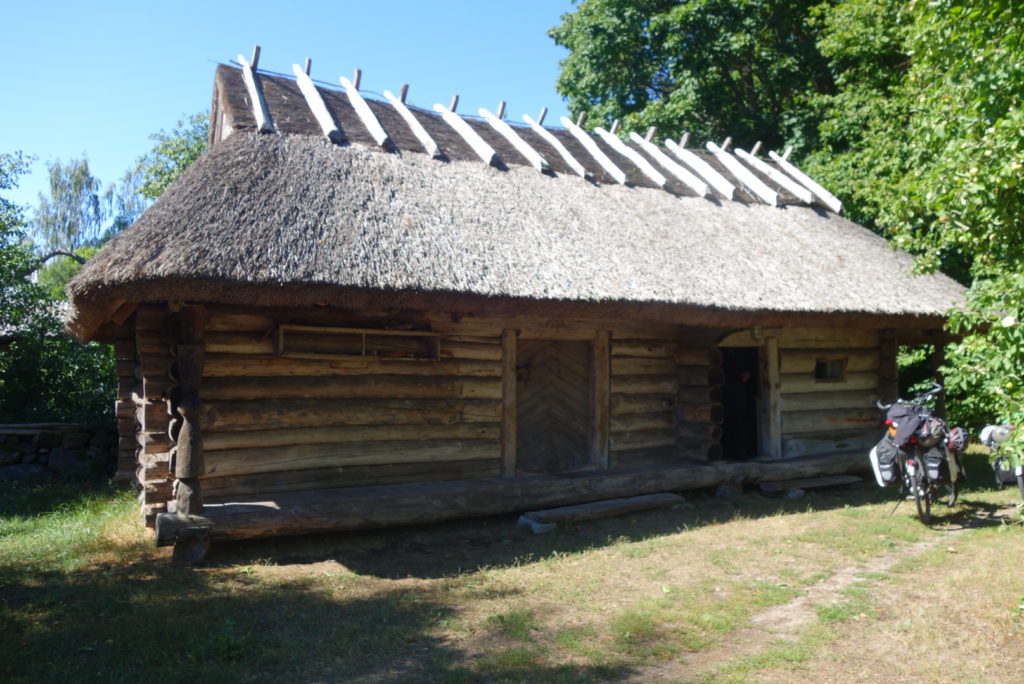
(172, 154)
(715, 68)
(73, 214)
(44, 374)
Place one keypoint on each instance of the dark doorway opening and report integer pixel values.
(739, 429)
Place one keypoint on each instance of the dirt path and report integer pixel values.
(785, 621)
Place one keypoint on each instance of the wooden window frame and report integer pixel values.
(826, 363)
(280, 346)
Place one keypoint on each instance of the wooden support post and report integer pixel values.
(508, 403)
(773, 399)
(188, 452)
(601, 399)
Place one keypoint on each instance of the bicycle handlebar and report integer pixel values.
(923, 396)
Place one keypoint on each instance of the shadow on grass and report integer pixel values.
(453, 548)
(151, 621)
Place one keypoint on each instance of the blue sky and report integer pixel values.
(98, 78)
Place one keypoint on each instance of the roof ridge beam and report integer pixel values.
(550, 138)
(414, 124)
(533, 156)
(366, 115)
(749, 180)
(588, 143)
(259, 103)
(673, 167)
(316, 105)
(702, 169)
(479, 145)
(791, 186)
(830, 200)
(616, 143)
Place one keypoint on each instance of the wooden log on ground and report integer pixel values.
(608, 508)
(409, 504)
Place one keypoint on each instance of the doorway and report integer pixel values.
(740, 427)
(553, 411)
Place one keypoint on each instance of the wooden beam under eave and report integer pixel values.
(366, 115)
(472, 138)
(316, 105)
(414, 125)
(533, 156)
(264, 124)
(600, 157)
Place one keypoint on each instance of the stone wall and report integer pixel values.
(47, 451)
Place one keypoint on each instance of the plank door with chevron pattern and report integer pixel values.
(552, 405)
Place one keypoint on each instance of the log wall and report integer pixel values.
(150, 396)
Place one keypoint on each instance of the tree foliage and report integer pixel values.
(714, 68)
(172, 154)
(44, 374)
(74, 212)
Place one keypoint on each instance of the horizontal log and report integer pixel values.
(125, 387)
(153, 387)
(124, 350)
(151, 317)
(337, 435)
(642, 366)
(550, 328)
(798, 384)
(608, 508)
(363, 387)
(273, 459)
(235, 342)
(830, 421)
(124, 408)
(153, 416)
(274, 366)
(817, 401)
(642, 439)
(698, 356)
(795, 447)
(623, 404)
(409, 504)
(290, 413)
(653, 349)
(262, 484)
(801, 361)
(126, 427)
(155, 466)
(700, 395)
(631, 458)
(699, 431)
(662, 420)
(470, 350)
(701, 413)
(804, 338)
(700, 375)
(155, 442)
(644, 384)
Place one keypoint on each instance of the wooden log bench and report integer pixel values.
(549, 518)
(343, 509)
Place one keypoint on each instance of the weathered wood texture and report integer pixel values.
(644, 398)
(700, 375)
(150, 395)
(405, 504)
(607, 508)
(124, 406)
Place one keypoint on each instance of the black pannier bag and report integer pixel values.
(1004, 471)
(884, 454)
(937, 463)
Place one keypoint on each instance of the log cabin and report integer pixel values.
(353, 312)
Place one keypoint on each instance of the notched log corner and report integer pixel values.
(174, 529)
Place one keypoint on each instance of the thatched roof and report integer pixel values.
(293, 219)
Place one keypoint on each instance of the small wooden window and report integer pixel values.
(830, 369)
(315, 342)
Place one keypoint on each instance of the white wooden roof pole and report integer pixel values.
(794, 188)
(414, 124)
(827, 198)
(588, 143)
(521, 145)
(380, 136)
(556, 143)
(472, 138)
(702, 168)
(316, 105)
(615, 142)
(252, 86)
(673, 167)
(749, 180)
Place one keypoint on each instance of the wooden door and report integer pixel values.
(554, 414)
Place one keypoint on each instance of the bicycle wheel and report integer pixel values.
(922, 498)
